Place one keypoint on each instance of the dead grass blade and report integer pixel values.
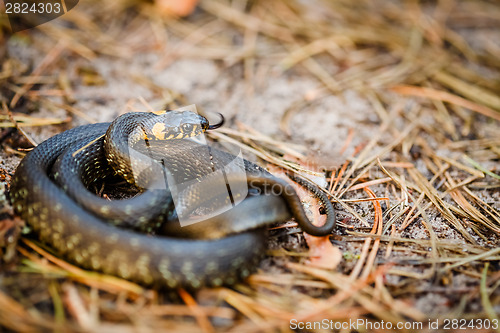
(446, 97)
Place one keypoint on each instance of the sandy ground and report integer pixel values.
(260, 101)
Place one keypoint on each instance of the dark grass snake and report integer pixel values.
(50, 192)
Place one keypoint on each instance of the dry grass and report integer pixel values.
(432, 164)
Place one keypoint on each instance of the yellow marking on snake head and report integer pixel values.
(159, 131)
(159, 113)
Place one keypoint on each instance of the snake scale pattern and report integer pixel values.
(49, 191)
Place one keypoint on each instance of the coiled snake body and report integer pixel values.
(49, 191)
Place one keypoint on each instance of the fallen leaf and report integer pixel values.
(323, 254)
(175, 7)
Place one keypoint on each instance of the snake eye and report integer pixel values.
(186, 128)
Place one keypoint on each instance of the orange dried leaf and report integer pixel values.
(322, 252)
(175, 7)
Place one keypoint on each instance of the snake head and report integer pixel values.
(174, 125)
